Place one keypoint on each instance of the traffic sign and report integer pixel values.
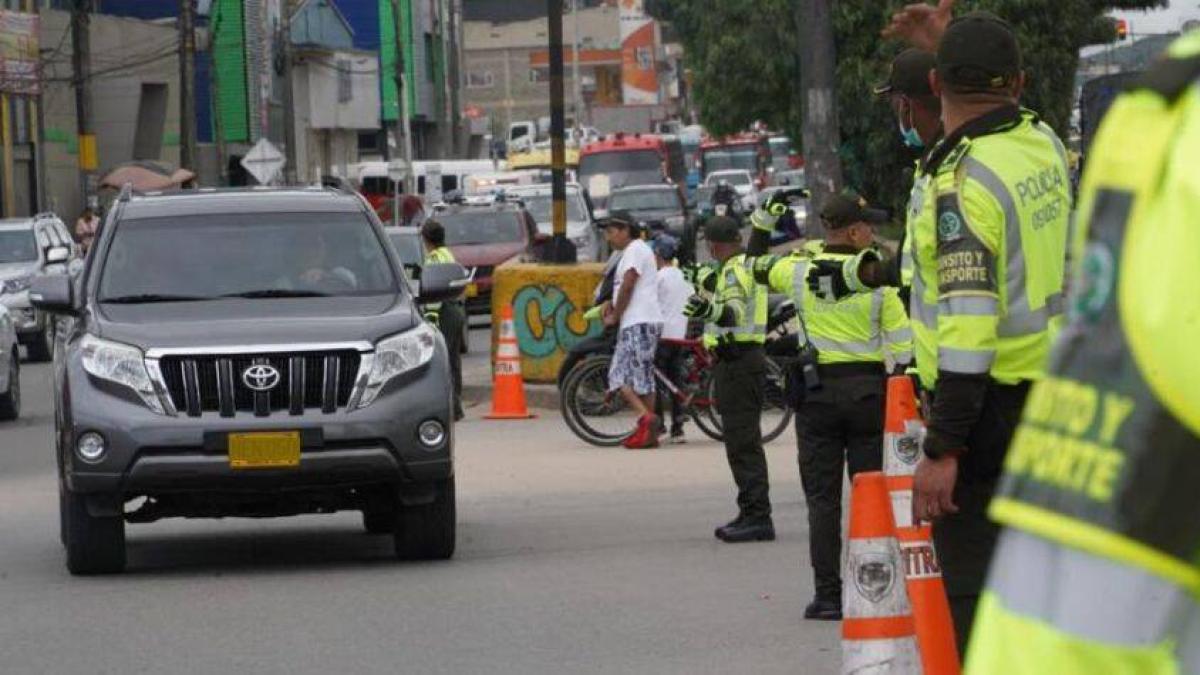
(264, 162)
(397, 170)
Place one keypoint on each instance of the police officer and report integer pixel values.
(1096, 570)
(449, 316)
(736, 329)
(989, 268)
(858, 339)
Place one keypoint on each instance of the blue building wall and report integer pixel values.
(363, 17)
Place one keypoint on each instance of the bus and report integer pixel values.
(622, 160)
(750, 152)
(371, 179)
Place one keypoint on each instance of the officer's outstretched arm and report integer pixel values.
(969, 230)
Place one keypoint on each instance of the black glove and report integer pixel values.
(827, 280)
(700, 308)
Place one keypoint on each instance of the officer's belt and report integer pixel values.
(836, 370)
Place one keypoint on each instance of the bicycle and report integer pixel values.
(603, 418)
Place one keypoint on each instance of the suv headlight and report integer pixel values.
(15, 285)
(120, 364)
(397, 355)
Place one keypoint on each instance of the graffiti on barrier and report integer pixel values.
(547, 321)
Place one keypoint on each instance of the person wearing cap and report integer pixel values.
(673, 294)
(448, 316)
(987, 281)
(1097, 569)
(859, 339)
(735, 328)
(636, 314)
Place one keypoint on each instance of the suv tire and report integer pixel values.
(10, 401)
(95, 544)
(379, 522)
(427, 531)
(41, 349)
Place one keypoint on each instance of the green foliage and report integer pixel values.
(744, 69)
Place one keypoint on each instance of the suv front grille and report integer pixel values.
(207, 383)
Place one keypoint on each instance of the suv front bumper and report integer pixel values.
(149, 454)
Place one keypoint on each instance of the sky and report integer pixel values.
(1162, 20)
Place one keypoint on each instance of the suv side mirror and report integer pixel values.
(58, 254)
(53, 293)
(442, 282)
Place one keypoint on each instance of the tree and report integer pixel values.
(745, 68)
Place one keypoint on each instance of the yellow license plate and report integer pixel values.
(472, 290)
(264, 450)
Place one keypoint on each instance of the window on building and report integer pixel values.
(429, 52)
(480, 79)
(537, 76)
(645, 59)
(151, 119)
(345, 81)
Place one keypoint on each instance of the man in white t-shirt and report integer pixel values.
(635, 310)
(673, 294)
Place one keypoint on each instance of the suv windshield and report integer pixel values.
(645, 200)
(247, 255)
(17, 246)
(539, 206)
(482, 227)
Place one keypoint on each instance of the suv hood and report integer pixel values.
(17, 269)
(236, 321)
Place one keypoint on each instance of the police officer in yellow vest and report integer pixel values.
(989, 267)
(839, 426)
(736, 329)
(448, 316)
(1098, 566)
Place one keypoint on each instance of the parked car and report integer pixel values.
(411, 250)
(30, 247)
(581, 226)
(483, 236)
(249, 353)
(10, 368)
(741, 180)
(658, 206)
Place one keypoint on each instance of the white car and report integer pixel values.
(10, 368)
(31, 247)
(741, 181)
(581, 227)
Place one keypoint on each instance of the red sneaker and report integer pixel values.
(645, 435)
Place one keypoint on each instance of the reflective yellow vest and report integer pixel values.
(992, 263)
(860, 328)
(919, 233)
(1098, 569)
(737, 289)
(438, 256)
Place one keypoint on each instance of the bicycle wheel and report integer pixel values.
(776, 413)
(594, 414)
(704, 411)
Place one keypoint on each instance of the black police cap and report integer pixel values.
(843, 210)
(909, 74)
(979, 51)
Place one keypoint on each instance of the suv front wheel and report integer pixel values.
(427, 531)
(95, 544)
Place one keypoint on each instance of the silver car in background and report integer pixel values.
(581, 226)
(10, 369)
(30, 247)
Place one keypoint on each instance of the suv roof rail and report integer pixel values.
(45, 215)
(126, 192)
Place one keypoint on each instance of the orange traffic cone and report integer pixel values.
(508, 388)
(877, 631)
(903, 433)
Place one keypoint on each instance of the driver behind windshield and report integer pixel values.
(315, 270)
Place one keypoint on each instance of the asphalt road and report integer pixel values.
(571, 559)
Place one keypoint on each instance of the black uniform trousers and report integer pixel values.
(741, 378)
(838, 426)
(965, 540)
(450, 322)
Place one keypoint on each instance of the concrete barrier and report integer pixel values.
(548, 303)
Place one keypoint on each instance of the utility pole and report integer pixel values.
(187, 84)
(577, 103)
(289, 103)
(820, 125)
(403, 126)
(81, 66)
(447, 121)
(456, 57)
(561, 248)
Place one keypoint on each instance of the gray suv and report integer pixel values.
(249, 353)
(30, 247)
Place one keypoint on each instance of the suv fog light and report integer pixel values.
(432, 433)
(90, 447)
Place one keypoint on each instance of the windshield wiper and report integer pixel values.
(139, 298)
(277, 293)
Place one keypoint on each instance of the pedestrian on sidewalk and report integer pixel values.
(636, 313)
(673, 294)
(86, 227)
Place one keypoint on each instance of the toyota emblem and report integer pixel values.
(261, 377)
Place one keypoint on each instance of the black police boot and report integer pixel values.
(822, 609)
(721, 530)
(759, 529)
